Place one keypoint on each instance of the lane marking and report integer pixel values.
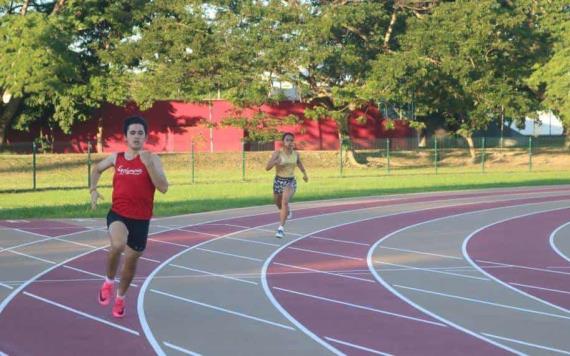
(363, 307)
(527, 343)
(213, 274)
(479, 301)
(222, 309)
(89, 316)
(345, 343)
(180, 349)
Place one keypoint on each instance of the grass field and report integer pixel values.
(190, 198)
(216, 181)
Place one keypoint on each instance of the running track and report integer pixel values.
(468, 272)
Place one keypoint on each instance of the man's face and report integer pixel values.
(136, 137)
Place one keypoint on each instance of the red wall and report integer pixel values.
(173, 126)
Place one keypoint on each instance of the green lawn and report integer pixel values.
(226, 190)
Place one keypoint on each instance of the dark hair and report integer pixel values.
(287, 134)
(134, 120)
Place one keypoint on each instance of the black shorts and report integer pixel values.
(138, 230)
(279, 184)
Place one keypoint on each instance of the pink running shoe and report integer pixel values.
(105, 293)
(119, 308)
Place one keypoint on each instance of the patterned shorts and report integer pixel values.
(280, 183)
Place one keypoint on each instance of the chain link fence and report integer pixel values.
(29, 166)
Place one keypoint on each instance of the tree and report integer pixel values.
(552, 79)
(467, 62)
(52, 66)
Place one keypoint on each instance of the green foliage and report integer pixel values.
(467, 62)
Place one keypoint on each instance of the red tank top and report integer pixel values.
(133, 190)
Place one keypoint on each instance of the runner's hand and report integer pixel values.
(146, 157)
(305, 177)
(94, 197)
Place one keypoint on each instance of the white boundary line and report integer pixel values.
(358, 347)
(180, 349)
(527, 344)
(381, 280)
(89, 316)
(329, 347)
(476, 266)
(228, 311)
(438, 196)
(552, 242)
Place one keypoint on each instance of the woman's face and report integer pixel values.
(289, 142)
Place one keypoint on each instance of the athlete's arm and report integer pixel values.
(273, 161)
(155, 170)
(96, 172)
(302, 168)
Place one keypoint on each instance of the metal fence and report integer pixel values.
(27, 166)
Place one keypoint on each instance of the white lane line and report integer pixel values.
(358, 306)
(140, 302)
(324, 272)
(527, 343)
(223, 309)
(6, 286)
(180, 349)
(89, 316)
(199, 232)
(253, 241)
(497, 264)
(551, 239)
(326, 253)
(233, 225)
(480, 269)
(229, 254)
(50, 239)
(213, 274)
(150, 260)
(336, 240)
(505, 265)
(168, 243)
(317, 339)
(382, 281)
(559, 267)
(345, 343)
(541, 288)
(100, 276)
(420, 252)
(32, 257)
(479, 301)
(410, 268)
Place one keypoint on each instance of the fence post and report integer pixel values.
(89, 164)
(34, 152)
(340, 156)
(388, 156)
(530, 153)
(243, 161)
(192, 161)
(436, 156)
(483, 155)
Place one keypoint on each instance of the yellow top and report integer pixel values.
(287, 164)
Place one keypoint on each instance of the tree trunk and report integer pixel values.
(24, 9)
(58, 6)
(471, 146)
(7, 117)
(388, 34)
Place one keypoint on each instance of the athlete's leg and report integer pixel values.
(277, 198)
(118, 234)
(129, 270)
(288, 193)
